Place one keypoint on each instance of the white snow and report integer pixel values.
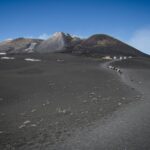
(60, 60)
(33, 110)
(2, 53)
(22, 126)
(32, 59)
(33, 125)
(31, 47)
(7, 58)
(27, 121)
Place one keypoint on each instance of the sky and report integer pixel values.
(127, 20)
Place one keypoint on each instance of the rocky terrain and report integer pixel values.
(19, 45)
(52, 97)
(98, 45)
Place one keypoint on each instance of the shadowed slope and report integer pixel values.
(102, 45)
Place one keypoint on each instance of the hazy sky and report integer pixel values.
(128, 20)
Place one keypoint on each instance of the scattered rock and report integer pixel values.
(33, 125)
(99, 96)
(1, 99)
(22, 126)
(22, 114)
(101, 109)
(1, 132)
(94, 99)
(137, 96)
(63, 111)
(123, 98)
(140, 82)
(2, 114)
(85, 101)
(33, 110)
(38, 122)
(51, 83)
(60, 60)
(47, 102)
(133, 88)
(10, 147)
(27, 122)
(41, 119)
(86, 112)
(92, 93)
(119, 103)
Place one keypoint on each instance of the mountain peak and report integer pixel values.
(97, 45)
(55, 43)
(57, 34)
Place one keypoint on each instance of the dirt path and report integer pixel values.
(127, 129)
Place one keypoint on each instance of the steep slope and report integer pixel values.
(57, 43)
(102, 45)
(19, 45)
(98, 45)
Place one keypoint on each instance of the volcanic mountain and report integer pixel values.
(97, 45)
(59, 42)
(102, 45)
(19, 45)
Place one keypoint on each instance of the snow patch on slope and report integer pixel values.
(53, 44)
(7, 58)
(30, 49)
(32, 59)
(2, 53)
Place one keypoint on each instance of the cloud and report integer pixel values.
(141, 40)
(6, 40)
(79, 36)
(44, 36)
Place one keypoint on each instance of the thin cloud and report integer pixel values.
(44, 36)
(141, 40)
(6, 40)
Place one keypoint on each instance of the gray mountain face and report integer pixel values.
(59, 42)
(53, 44)
(98, 45)
(20, 45)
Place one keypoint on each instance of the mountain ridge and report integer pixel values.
(96, 45)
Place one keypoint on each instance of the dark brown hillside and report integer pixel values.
(101, 45)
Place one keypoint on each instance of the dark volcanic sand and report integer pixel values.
(68, 102)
